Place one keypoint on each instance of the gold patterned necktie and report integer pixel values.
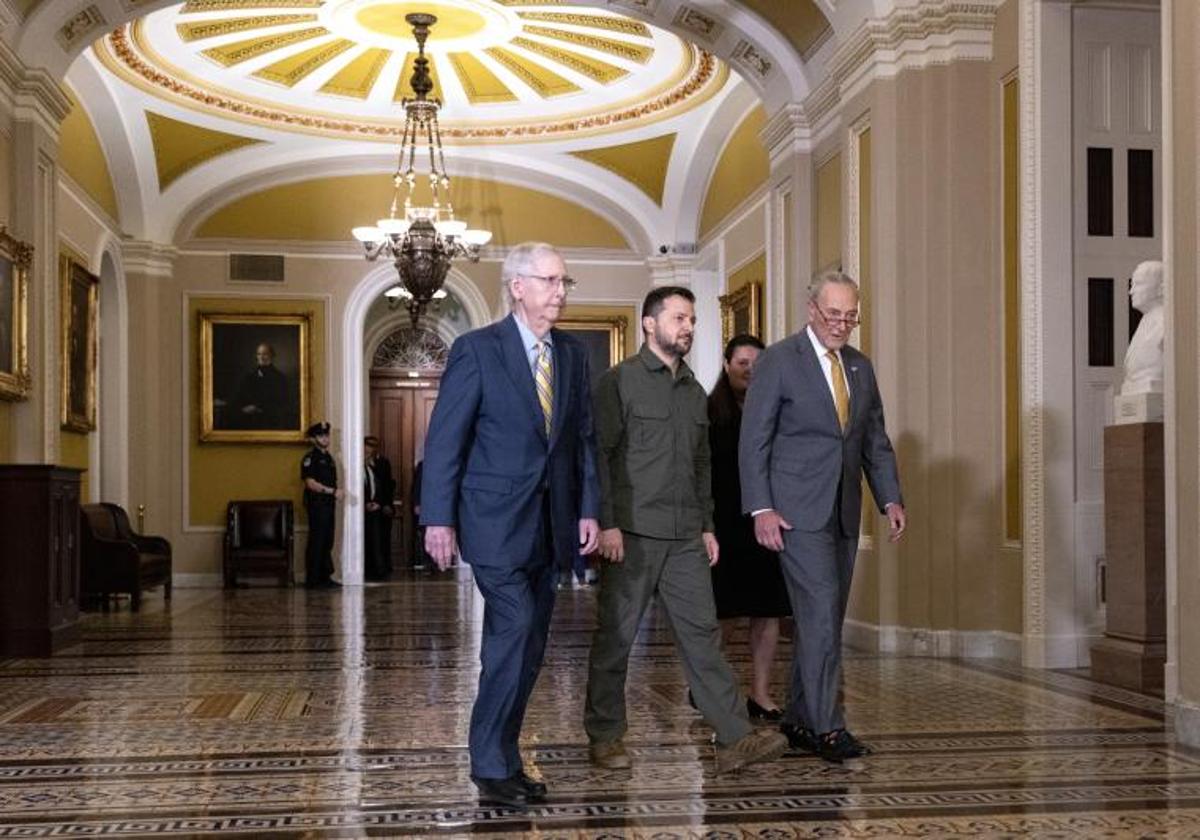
(841, 399)
(543, 378)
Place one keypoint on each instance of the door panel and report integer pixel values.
(400, 411)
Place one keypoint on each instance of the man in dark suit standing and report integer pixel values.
(510, 481)
(379, 489)
(812, 426)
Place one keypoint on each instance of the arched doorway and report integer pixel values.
(366, 324)
(405, 370)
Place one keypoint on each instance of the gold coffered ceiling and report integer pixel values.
(505, 69)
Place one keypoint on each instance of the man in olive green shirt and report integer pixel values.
(656, 533)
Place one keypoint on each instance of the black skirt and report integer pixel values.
(748, 581)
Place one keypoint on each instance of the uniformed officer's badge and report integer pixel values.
(307, 460)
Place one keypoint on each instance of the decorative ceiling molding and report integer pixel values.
(933, 32)
(704, 75)
(83, 27)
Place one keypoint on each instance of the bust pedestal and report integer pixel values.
(1134, 647)
(1137, 408)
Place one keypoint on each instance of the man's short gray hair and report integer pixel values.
(827, 277)
(519, 262)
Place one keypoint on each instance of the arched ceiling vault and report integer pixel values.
(620, 107)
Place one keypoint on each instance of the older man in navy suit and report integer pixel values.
(510, 482)
(811, 428)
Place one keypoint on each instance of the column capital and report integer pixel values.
(151, 259)
(787, 132)
(671, 269)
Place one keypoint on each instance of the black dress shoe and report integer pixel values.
(839, 745)
(510, 791)
(800, 738)
(758, 712)
(535, 790)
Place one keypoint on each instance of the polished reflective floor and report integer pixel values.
(287, 713)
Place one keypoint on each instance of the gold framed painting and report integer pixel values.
(603, 336)
(15, 257)
(741, 312)
(79, 302)
(254, 377)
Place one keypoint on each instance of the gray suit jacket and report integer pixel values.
(792, 453)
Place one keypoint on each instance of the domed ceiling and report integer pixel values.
(505, 69)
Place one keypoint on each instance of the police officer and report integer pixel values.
(318, 471)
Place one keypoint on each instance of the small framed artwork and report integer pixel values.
(254, 377)
(78, 327)
(741, 312)
(602, 335)
(15, 257)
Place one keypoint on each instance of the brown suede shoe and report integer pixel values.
(610, 755)
(760, 745)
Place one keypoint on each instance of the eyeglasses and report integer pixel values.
(849, 319)
(568, 283)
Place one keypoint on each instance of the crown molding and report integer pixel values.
(152, 259)
(911, 37)
(786, 133)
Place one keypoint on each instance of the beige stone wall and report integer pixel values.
(935, 334)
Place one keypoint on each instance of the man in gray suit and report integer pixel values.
(812, 426)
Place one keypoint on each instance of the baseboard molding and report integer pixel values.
(196, 580)
(1187, 722)
(909, 641)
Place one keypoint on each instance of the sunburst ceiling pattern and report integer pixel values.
(503, 68)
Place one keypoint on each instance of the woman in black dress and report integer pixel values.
(747, 582)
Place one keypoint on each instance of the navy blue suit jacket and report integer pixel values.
(488, 462)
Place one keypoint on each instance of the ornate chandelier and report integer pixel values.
(423, 240)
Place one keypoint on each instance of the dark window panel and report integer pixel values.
(1100, 322)
(1100, 191)
(1141, 192)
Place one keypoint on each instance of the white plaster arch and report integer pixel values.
(257, 172)
(113, 130)
(37, 43)
(109, 447)
(354, 387)
(684, 200)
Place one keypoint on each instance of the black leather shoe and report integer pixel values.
(758, 712)
(839, 745)
(800, 738)
(510, 791)
(535, 790)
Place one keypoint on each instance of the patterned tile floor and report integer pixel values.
(286, 713)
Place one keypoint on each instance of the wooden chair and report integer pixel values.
(117, 560)
(258, 540)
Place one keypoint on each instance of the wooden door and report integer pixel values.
(400, 412)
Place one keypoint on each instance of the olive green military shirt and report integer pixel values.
(653, 458)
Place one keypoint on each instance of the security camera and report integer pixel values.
(662, 249)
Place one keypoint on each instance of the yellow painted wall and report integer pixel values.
(220, 472)
(1012, 309)
(742, 168)
(6, 432)
(755, 269)
(326, 209)
(828, 213)
(82, 157)
(73, 452)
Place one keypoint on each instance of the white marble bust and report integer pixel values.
(1144, 358)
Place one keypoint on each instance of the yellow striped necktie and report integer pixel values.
(841, 399)
(543, 378)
